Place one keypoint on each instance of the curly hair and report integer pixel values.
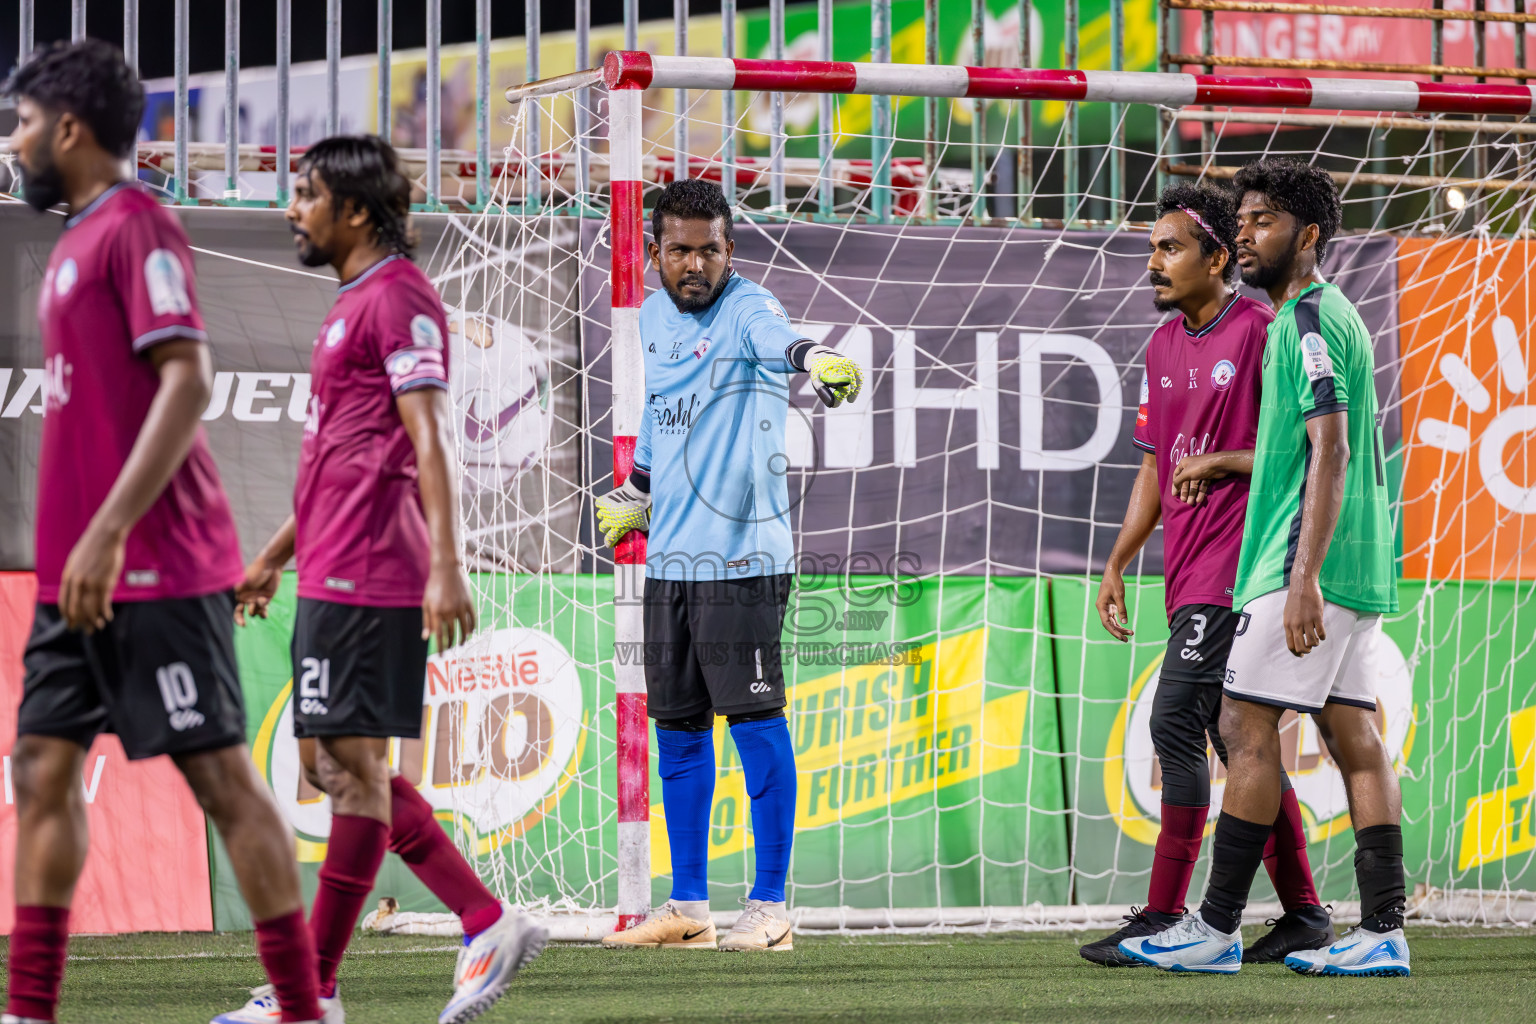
(90, 80)
(1216, 207)
(691, 199)
(1299, 189)
(364, 170)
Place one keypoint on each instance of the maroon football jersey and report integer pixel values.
(361, 535)
(119, 282)
(1200, 394)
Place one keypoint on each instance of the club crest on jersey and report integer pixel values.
(1315, 356)
(337, 331)
(167, 284)
(1222, 374)
(65, 279)
(424, 332)
(401, 364)
(701, 348)
(775, 309)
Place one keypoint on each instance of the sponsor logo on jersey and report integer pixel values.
(775, 309)
(1315, 356)
(424, 332)
(335, 333)
(142, 578)
(1146, 392)
(337, 583)
(1167, 382)
(167, 283)
(65, 279)
(673, 418)
(1133, 777)
(1222, 374)
(401, 364)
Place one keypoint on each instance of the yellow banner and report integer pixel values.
(871, 736)
(1499, 823)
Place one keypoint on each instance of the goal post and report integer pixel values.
(989, 442)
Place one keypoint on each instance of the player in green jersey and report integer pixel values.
(1315, 574)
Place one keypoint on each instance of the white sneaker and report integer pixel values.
(262, 1008)
(666, 926)
(759, 928)
(11, 1018)
(1357, 953)
(489, 962)
(1191, 946)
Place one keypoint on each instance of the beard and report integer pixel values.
(687, 305)
(1265, 276)
(42, 188)
(1162, 305)
(310, 254)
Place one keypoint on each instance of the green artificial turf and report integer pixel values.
(185, 979)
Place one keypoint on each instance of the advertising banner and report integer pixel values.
(132, 883)
(994, 431)
(851, 41)
(1469, 460)
(1444, 688)
(923, 715)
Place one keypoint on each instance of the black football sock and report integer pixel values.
(1237, 850)
(1379, 874)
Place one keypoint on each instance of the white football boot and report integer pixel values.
(11, 1018)
(1191, 946)
(1357, 953)
(760, 929)
(488, 963)
(262, 1008)
(667, 927)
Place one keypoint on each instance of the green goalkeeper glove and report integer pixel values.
(621, 510)
(835, 377)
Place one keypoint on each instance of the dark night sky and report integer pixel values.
(258, 26)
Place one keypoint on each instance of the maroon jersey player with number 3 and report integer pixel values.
(1196, 425)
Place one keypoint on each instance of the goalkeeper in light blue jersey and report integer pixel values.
(710, 483)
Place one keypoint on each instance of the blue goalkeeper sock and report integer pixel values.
(687, 768)
(768, 759)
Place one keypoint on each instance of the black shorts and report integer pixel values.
(357, 670)
(714, 644)
(1200, 640)
(161, 675)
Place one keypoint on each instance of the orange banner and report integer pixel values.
(148, 866)
(1469, 419)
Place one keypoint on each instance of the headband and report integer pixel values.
(1201, 221)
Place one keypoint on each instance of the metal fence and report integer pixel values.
(1002, 171)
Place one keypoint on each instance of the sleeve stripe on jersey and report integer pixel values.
(415, 367)
(1144, 446)
(1322, 409)
(151, 338)
(417, 385)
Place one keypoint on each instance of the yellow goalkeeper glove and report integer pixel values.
(621, 510)
(835, 377)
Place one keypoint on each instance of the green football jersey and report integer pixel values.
(1318, 360)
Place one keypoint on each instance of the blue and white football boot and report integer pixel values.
(1357, 953)
(1189, 947)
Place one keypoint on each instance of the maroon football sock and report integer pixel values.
(426, 849)
(1178, 847)
(352, 862)
(287, 951)
(1285, 856)
(38, 942)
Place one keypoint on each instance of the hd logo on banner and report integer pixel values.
(503, 728)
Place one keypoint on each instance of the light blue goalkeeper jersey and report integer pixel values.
(712, 439)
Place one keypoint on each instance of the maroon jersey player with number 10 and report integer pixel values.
(1196, 426)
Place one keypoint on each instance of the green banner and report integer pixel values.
(851, 42)
(1455, 709)
(923, 715)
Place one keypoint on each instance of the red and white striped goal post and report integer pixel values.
(628, 74)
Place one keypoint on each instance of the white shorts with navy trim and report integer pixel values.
(1343, 669)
